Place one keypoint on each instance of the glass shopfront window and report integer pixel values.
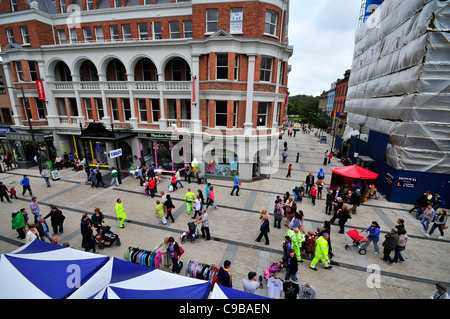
(221, 163)
(160, 152)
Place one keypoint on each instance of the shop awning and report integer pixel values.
(98, 132)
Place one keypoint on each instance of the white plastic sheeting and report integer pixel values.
(399, 84)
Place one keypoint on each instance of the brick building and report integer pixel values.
(338, 114)
(170, 81)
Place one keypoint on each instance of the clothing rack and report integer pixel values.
(144, 257)
(201, 270)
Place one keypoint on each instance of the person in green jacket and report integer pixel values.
(321, 252)
(189, 199)
(120, 213)
(159, 212)
(114, 177)
(297, 239)
(18, 223)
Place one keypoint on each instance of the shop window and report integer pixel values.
(221, 163)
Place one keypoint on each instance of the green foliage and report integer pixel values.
(307, 107)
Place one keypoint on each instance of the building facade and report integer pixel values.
(170, 81)
(338, 115)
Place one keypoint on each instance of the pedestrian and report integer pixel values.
(389, 244)
(343, 217)
(169, 207)
(25, 182)
(297, 239)
(402, 239)
(321, 174)
(326, 228)
(204, 219)
(58, 161)
(56, 220)
(189, 198)
(236, 184)
(310, 241)
(338, 204)
(298, 157)
(277, 214)
(264, 228)
(187, 172)
(250, 284)
(87, 233)
(330, 155)
(201, 197)
(175, 254)
(173, 182)
(200, 177)
(373, 236)
(12, 193)
(289, 171)
(295, 222)
(159, 212)
(309, 182)
(164, 248)
(313, 195)
(35, 209)
(18, 223)
(141, 175)
(43, 229)
(291, 209)
(120, 213)
(224, 275)
(93, 179)
(439, 222)
(286, 246)
(32, 234)
(400, 224)
(97, 218)
(114, 177)
(325, 158)
(4, 192)
(321, 253)
(151, 186)
(99, 178)
(285, 145)
(427, 216)
(197, 207)
(441, 292)
(284, 155)
(291, 266)
(320, 185)
(211, 200)
(46, 174)
(329, 202)
(355, 200)
(177, 174)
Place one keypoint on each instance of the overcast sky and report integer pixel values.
(322, 33)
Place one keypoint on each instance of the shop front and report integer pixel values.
(24, 150)
(166, 152)
(221, 163)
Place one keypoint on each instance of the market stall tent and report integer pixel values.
(349, 174)
(221, 292)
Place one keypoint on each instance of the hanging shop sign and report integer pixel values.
(115, 153)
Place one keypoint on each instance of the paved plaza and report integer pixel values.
(235, 226)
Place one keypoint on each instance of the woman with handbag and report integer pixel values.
(439, 222)
(264, 228)
(278, 214)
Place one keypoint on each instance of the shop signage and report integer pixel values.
(406, 182)
(389, 178)
(40, 89)
(115, 153)
(4, 130)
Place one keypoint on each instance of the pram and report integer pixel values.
(357, 240)
(191, 233)
(106, 238)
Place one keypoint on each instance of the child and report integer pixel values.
(313, 195)
(12, 192)
(159, 212)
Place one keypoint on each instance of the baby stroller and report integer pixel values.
(106, 238)
(191, 233)
(357, 240)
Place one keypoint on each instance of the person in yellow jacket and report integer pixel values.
(189, 199)
(120, 213)
(321, 252)
(297, 239)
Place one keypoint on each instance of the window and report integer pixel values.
(187, 29)
(40, 106)
(87, 35)
(25, 35)
(143, 31)
(236, 67)
(114, 109)
(73, 35)
(19, 71)
(126, 31)
(89, 5)
(221, 113)
(13, 5)
(120, 75)
(281, 73)
(33, 72)
(174, 29)
(62, 36)
(262, 114)
(155, 110)
(126, 109)
(176, 69)
(266, 69)
(63, 5)
(212, 18)
(235, 114)
(147, 70)
(100, 111)
(236, 18)
(117, 3)
(222, 66)
(99, 34)
(157, 31)
(2, 86)
(89, 111)
(10, 35)
(271, 23)
(114, 30)
(142, 110)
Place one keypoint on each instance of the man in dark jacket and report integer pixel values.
(4, 192)
(224, 275)
(309, 182)
(355, 200)
(56, 219)
(389, 244)
(43, 229)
